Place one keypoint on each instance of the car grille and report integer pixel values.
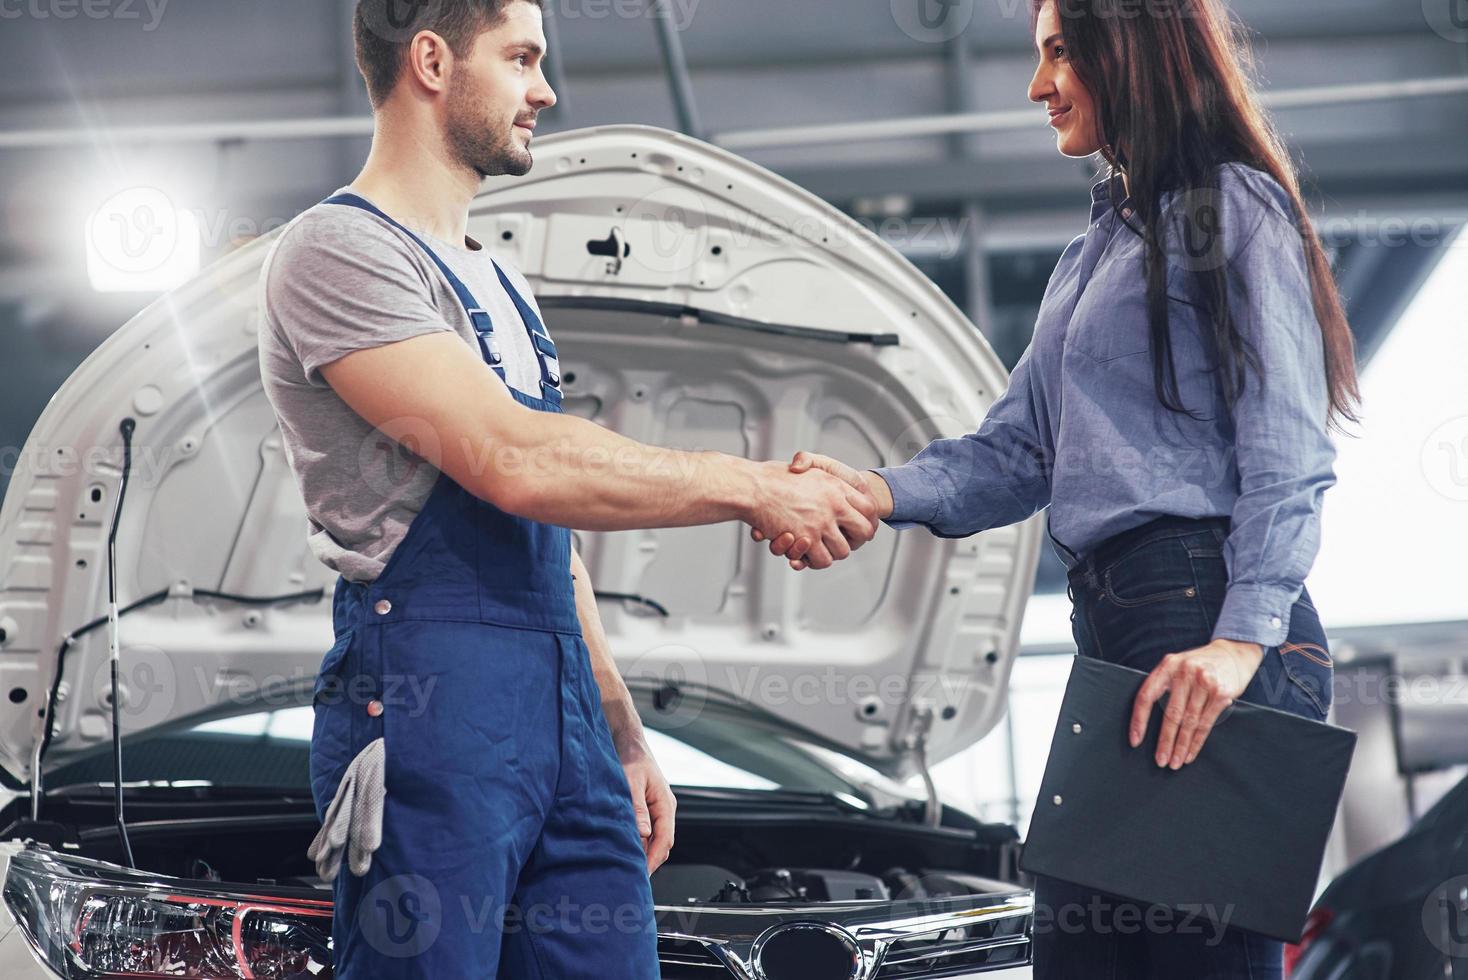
(685, 959)
(903, 942)
(962, 950)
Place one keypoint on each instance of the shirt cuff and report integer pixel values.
(1255, 614)
(914, 496)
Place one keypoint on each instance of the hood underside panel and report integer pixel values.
(744, 316)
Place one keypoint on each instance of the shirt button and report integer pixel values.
(374, 708)
(383, 607)
(1275, 621)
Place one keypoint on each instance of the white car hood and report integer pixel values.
(745, 315)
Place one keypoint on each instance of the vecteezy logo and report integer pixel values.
(1195, 217)
(390, 457)
(401, 916)
(398, 20)
(401, 13)
(932, 21)
(1200, 232)
(1445, 917)
(1445, 459)
(1449, 18)
(678, 681)
(147, 685)
(136, 230)
(142, 221)
(932, 16)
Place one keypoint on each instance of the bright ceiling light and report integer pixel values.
(138, 241)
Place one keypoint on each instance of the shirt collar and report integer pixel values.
(1101, 197)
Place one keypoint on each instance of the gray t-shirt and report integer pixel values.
(340, 279)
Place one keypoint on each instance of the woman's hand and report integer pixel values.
(1202, 683)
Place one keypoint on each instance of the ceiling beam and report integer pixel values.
(1336, 172)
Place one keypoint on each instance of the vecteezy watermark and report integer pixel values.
(401, 915)
(869, 694)
(401, 455)
(1100, 916)
(938, 21)
(1445, 459)
(149, 463)
(677, 230)
(677, 680)
(89, 9)
(147, 686)
(1340, 229)
(397, 21)
(1445, 917)
(142, 232)
(404, 915)
(1449, 18)
(935, 21)
(1209, 467)
(680, 12)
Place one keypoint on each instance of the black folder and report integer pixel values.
(1241, 831)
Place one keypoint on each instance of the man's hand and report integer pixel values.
(1202, 682)
(827, 515)
(653, 802)
(790, 545)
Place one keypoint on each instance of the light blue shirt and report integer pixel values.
(1081, 430)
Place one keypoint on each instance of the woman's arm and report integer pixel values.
(955, 487)
(1284, 458)
(1283, 451)
(996, 476)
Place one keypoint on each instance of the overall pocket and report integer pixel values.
(331, 674)
(331, 728)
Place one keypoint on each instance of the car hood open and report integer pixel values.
(699, 302)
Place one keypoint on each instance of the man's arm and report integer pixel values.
(652, 799)
(436, 396)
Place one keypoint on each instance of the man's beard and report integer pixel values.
(488, 151)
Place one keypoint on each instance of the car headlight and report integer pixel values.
(87, 920)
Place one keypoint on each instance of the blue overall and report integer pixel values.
(509, 846)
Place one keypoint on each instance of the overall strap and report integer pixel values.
(483, 325)
(545, 349)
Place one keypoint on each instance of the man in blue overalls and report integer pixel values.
(476, 760)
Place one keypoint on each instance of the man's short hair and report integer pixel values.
(383, 28)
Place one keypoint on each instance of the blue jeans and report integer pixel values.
(1148, 592)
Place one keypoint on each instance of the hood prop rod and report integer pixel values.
(113, 641)
(916, 743)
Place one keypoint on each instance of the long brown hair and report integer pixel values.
(1174, 98)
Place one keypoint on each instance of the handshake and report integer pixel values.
(817, 510)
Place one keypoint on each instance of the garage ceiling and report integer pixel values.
(754, 64)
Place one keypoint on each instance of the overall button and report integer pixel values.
(374, 708)
(382, 607)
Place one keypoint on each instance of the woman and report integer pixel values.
(1171, 410)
